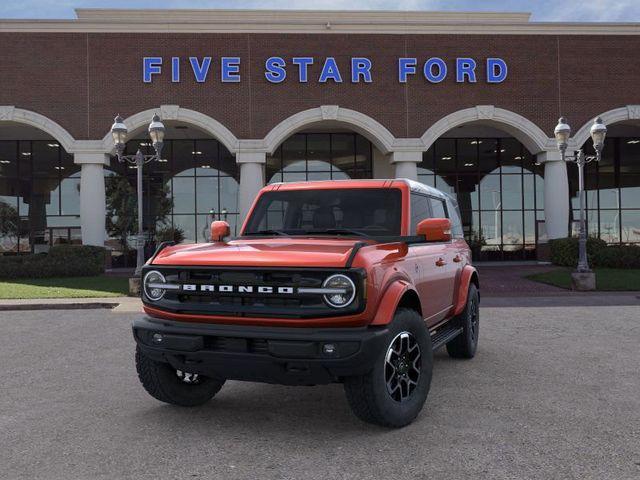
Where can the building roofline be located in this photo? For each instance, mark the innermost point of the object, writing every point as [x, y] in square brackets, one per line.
[311, 21]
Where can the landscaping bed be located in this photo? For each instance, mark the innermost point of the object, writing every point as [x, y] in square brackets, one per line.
[607, 279]
[70, 287]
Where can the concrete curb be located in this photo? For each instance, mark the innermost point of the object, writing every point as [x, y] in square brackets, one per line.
[57, 306]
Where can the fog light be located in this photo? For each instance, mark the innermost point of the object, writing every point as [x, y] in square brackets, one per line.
[329, 348]
[157, 338]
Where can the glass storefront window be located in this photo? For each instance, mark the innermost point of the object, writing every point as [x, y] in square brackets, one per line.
[499, 188]
[39, 196]
[320, 156]
[612, 188]
[195, 183]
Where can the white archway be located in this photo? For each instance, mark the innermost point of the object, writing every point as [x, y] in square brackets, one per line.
[184, 115]
[9, 113]
[373, 130]
[527, 132]
[629, 112]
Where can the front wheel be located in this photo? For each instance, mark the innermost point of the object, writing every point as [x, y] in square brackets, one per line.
[394, 391]
[169, 385]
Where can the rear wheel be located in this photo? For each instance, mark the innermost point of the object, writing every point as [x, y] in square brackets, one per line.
[466, 344]
[394, 391]
[176, 387]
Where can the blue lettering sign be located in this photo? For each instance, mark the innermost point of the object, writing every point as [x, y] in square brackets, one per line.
[465, 67]
[200, 71]
[428, 70]
[151, 66]
[230, 69]
[360, 67]
[175, 69]
[303, 67]
[275, 69]
[496, 70]
[330, 71]
[406, 66]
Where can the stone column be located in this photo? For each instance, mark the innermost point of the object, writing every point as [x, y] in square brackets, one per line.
[406, 164]
[251, 179]
[92, 196]
[556, 194]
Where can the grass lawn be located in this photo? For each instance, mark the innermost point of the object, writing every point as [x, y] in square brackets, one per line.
[607, 279]
[73, 287]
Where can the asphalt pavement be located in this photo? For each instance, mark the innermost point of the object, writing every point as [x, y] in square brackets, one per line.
[554, 393]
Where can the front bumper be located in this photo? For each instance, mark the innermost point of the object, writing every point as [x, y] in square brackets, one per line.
[288, 356]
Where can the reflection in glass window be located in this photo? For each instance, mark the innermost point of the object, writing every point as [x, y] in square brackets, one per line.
[490, 177]
[39, 195]
[612, 188]
[320, 156]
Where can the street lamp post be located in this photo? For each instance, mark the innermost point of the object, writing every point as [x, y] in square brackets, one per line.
[562, 133]
[156, 133]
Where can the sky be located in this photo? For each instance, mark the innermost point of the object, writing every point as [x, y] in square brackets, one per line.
[542, 10]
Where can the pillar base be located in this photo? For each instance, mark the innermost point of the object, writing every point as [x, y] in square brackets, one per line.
[135, 286]
[583, 281]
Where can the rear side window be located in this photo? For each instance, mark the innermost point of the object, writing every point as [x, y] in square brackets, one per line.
[454, 215]
[438, 208]
[420, 210]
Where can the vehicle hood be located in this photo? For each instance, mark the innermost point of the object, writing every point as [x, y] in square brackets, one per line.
[263, 252]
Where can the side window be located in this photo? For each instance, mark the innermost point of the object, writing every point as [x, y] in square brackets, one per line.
[437, 206]
[419, 210]
[456, 222]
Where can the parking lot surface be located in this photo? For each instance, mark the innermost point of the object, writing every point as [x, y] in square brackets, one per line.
[554, 392]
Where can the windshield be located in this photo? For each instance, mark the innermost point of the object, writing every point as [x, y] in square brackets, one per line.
[354, 212]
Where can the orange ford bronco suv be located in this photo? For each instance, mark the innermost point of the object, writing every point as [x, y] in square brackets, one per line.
[354, 281]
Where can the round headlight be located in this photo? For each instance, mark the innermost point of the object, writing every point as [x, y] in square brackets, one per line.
[152, 288]
[344, 291]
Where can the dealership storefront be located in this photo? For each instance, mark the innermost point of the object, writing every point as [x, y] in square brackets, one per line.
[465, 103]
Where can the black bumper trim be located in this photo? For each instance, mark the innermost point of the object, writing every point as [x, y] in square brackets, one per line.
[283, 355]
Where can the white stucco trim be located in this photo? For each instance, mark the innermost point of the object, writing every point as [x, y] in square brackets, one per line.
[363, 124]
[628, 112]
[10, 113]
[177, 113]
[527, 132]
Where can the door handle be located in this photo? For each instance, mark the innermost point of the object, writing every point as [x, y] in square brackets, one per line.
[457, 259]
[440, 262]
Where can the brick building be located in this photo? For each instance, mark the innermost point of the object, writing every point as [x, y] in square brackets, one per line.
[466, 102]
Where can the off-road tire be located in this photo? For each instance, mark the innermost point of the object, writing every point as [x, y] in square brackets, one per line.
[466, 344]
[161, 381]
[368, 395]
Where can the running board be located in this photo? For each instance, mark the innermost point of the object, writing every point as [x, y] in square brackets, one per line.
[444, 336]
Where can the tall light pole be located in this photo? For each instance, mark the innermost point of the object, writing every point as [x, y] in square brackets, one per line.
[119, 133]
[562, 133]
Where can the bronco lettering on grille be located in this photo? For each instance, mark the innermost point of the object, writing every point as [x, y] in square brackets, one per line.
[191, 287]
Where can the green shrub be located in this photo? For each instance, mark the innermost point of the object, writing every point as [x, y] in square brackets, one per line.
[618, 256]
[61, 261]
[564, 251]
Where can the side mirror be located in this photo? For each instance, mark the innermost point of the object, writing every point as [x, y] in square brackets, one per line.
[435, 229]
[219, 230]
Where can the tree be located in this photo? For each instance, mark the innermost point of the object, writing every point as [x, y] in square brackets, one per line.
[122, 210]
[9, 221]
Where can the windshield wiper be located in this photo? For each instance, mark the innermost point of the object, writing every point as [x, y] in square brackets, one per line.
[268, 232]
[338, 231]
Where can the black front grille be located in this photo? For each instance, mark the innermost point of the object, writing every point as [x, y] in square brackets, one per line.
[253, 304]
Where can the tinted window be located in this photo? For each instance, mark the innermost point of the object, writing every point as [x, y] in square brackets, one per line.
[437, 207]
[373, 211]
[454, 215]
[419, 210]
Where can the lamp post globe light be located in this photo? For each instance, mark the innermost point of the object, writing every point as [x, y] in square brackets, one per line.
[583, 278]
[156, 133]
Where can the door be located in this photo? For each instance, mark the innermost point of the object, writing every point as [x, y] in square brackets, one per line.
[433, 267]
